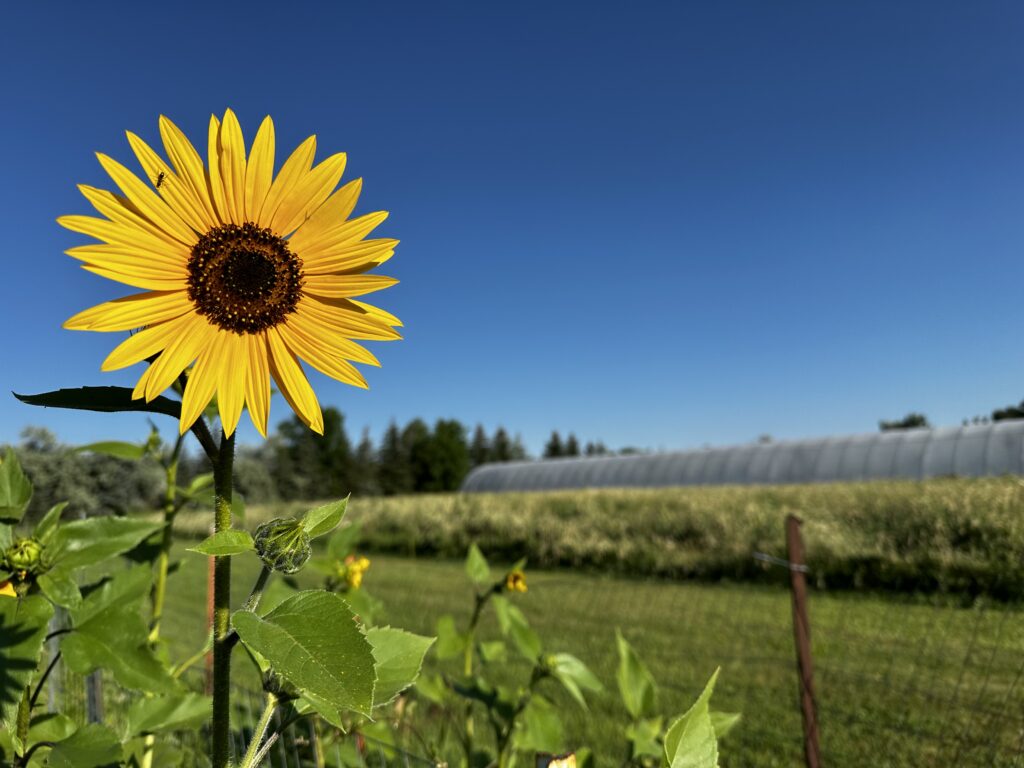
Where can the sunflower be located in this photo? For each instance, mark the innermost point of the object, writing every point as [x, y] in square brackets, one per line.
[245, 274]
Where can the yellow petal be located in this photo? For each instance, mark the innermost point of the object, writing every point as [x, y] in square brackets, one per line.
[148, 202]
[122, 211]
[131, 312]
[140, 386]
[319, 355]
[232, 166]
[215, 177]
[173, 189]
[259, 172]
[231, 382]
[341, 346]
[178, 356]
[308, 195]
[377, 312]
[147, 343]
[345, 286]
[329, 216]
[348, 257]
[126, 236]
[202, 381]
[124, 259]
[137, 280]
[346, 321]
[291, 173]
[190, 169]
[257, 382]
[292, 381]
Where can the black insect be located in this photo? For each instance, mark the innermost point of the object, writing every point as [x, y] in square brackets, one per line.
[160, 179]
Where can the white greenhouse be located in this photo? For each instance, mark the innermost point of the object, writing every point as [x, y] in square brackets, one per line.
[969, 451]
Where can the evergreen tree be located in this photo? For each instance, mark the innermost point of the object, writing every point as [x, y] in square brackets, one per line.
[501, 446]
[393, 471]
[517, 452]
[572, 446]
[596, 449]
[309, 465]
[480, 448]
[365, 468]
[448, 456]
[554, 448]
[416, 443]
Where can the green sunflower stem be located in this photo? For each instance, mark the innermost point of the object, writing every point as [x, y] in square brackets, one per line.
[222, 607]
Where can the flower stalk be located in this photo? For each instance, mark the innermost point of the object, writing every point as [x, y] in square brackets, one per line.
[222, 478]
[254, 754]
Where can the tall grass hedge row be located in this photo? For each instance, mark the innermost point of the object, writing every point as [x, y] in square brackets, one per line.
[963, 536]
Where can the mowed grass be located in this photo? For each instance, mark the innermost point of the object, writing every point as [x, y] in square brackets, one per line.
[900, 683]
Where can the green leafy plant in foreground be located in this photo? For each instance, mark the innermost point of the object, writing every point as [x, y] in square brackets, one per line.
[316, 658]
[502, 715]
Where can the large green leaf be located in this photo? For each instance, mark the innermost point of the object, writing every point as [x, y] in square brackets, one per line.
[690, 741]
[127, 588]
[47, 527]
[324, 519]
[540, 727]
[109, 632]
[91, 746]
[514, 625]
[105, 399]
[22, 629]
[645, 737]
[450, 642]
[85, 542]
[15, 489]
[61, 587]
[477, 569]
[313, 641]
[230, 542]
[115, 448]
[574, 675]
[167, 713]
[398, 655]
[636, 684]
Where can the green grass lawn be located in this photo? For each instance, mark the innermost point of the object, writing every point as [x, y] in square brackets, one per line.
[899, 683]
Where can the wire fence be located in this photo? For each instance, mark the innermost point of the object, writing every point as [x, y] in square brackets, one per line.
[900, 682]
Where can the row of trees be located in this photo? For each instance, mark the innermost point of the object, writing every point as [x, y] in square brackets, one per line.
[915, 420]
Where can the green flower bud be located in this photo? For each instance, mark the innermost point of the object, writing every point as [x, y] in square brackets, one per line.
[282, 545]
[24, 555]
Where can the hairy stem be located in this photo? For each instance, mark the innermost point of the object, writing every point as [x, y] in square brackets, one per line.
[253, 752]
[222, 607]
[253, 602]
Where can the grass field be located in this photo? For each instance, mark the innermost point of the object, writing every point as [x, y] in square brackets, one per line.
[900, 683]
[963, 536]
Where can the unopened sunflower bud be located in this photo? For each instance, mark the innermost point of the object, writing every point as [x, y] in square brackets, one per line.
[24, 555]
[282, 545]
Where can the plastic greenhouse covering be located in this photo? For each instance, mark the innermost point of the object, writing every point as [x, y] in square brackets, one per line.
[969, 451]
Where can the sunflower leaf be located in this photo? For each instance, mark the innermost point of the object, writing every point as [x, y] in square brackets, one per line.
[105, 399]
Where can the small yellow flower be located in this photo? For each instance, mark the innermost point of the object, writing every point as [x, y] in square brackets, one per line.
[515, 581]
[7, 589]
[355, 567]
[244, 273]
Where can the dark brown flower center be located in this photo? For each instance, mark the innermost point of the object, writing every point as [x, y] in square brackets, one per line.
[244, 278]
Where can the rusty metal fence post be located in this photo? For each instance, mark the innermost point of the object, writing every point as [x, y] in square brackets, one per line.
[802, 636]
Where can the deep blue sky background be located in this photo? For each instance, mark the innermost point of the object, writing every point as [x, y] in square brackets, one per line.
[656, 224]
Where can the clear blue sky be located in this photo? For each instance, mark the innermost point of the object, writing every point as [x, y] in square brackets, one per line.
[657, 224]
